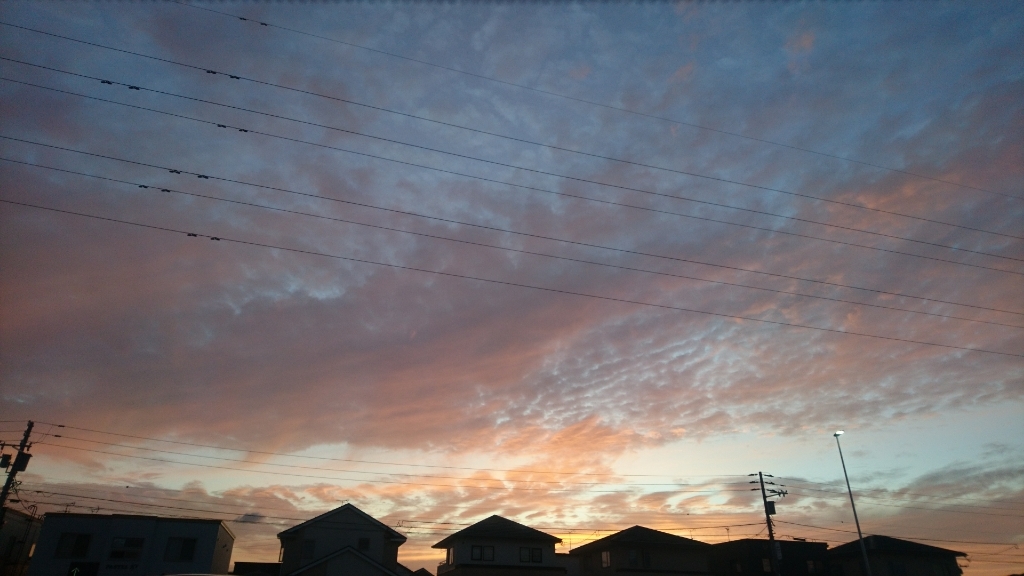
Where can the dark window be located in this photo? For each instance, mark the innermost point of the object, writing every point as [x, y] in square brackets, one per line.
[810, 566]
[530, 555]
[634, 561]
[485, 553]
[126, 548]
[739, 568]
[308, 549]
[364, 544]
[73, 545]
[449, 557]
[766, 565]
[606, 559]
[180, 550]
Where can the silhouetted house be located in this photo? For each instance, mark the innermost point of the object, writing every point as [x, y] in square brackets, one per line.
[18, 536]
[130, 545]
[345, 541]
[497, 545]
[257, 569]
[894, 557]
[751, 557]
[643, 551]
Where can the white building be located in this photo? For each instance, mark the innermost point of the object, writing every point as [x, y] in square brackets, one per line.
[128, 545]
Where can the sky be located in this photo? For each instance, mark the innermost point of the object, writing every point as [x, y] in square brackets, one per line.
[582, 265]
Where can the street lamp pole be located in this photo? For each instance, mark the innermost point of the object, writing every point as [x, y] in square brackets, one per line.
[863, 548]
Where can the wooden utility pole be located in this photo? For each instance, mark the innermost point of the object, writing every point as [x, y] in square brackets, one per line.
[19, 464]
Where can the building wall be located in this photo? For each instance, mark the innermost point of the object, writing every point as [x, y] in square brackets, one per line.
[750, 557]
[17, 537]
[637, 558]
[890, 564]
[335, 532]
[506, 553]
[105, 537]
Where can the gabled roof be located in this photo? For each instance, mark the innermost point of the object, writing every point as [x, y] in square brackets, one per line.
[345, 550]
[498, 528]
[889, 544]
[641, 535]
[393, 534]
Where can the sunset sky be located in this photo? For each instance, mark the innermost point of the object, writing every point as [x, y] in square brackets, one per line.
[581, 265]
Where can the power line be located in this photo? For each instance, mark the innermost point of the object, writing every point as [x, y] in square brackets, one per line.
[533, 188]
[607, 106]
[504, 248]
[399, 525]
[509, 231]
[521, 285]
[378, 473]
[907, 537]
[477, 159]
[943, 510]
[211, 446]
[910, 493]
[365, 480]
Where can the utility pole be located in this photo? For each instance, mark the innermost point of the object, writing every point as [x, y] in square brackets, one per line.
[775, 552]
[20, 462]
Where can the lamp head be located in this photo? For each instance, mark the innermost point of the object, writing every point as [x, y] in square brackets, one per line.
[838, 433]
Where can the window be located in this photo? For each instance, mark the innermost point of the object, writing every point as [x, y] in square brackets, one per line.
[73, 545]
[126, 548]
[810, 566]
[180, 550]
[364, 544]
[606, 559]
[639, 558]
[766, 565]
[308, 549]
[449, 557]
[530, 555]
[485, 553]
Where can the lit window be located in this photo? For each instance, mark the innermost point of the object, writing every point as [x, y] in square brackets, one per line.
[180, 550]
[606, 559]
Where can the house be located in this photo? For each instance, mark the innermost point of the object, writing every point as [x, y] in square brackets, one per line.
[345, 541]
[894, 557]
[130, 545]
[498, 545]
[752, 557]
[18, 536]
[643, 551]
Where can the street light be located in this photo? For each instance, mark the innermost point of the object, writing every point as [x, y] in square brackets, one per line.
[863, 549]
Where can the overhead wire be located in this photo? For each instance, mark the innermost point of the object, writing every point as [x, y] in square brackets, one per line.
[533, 188]
[372, 472]
[510, 231]
[137, 87]
[406, 464]
[918, 494]
[162, 189]
[521, 285]
[602, 105]
[907, 537]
